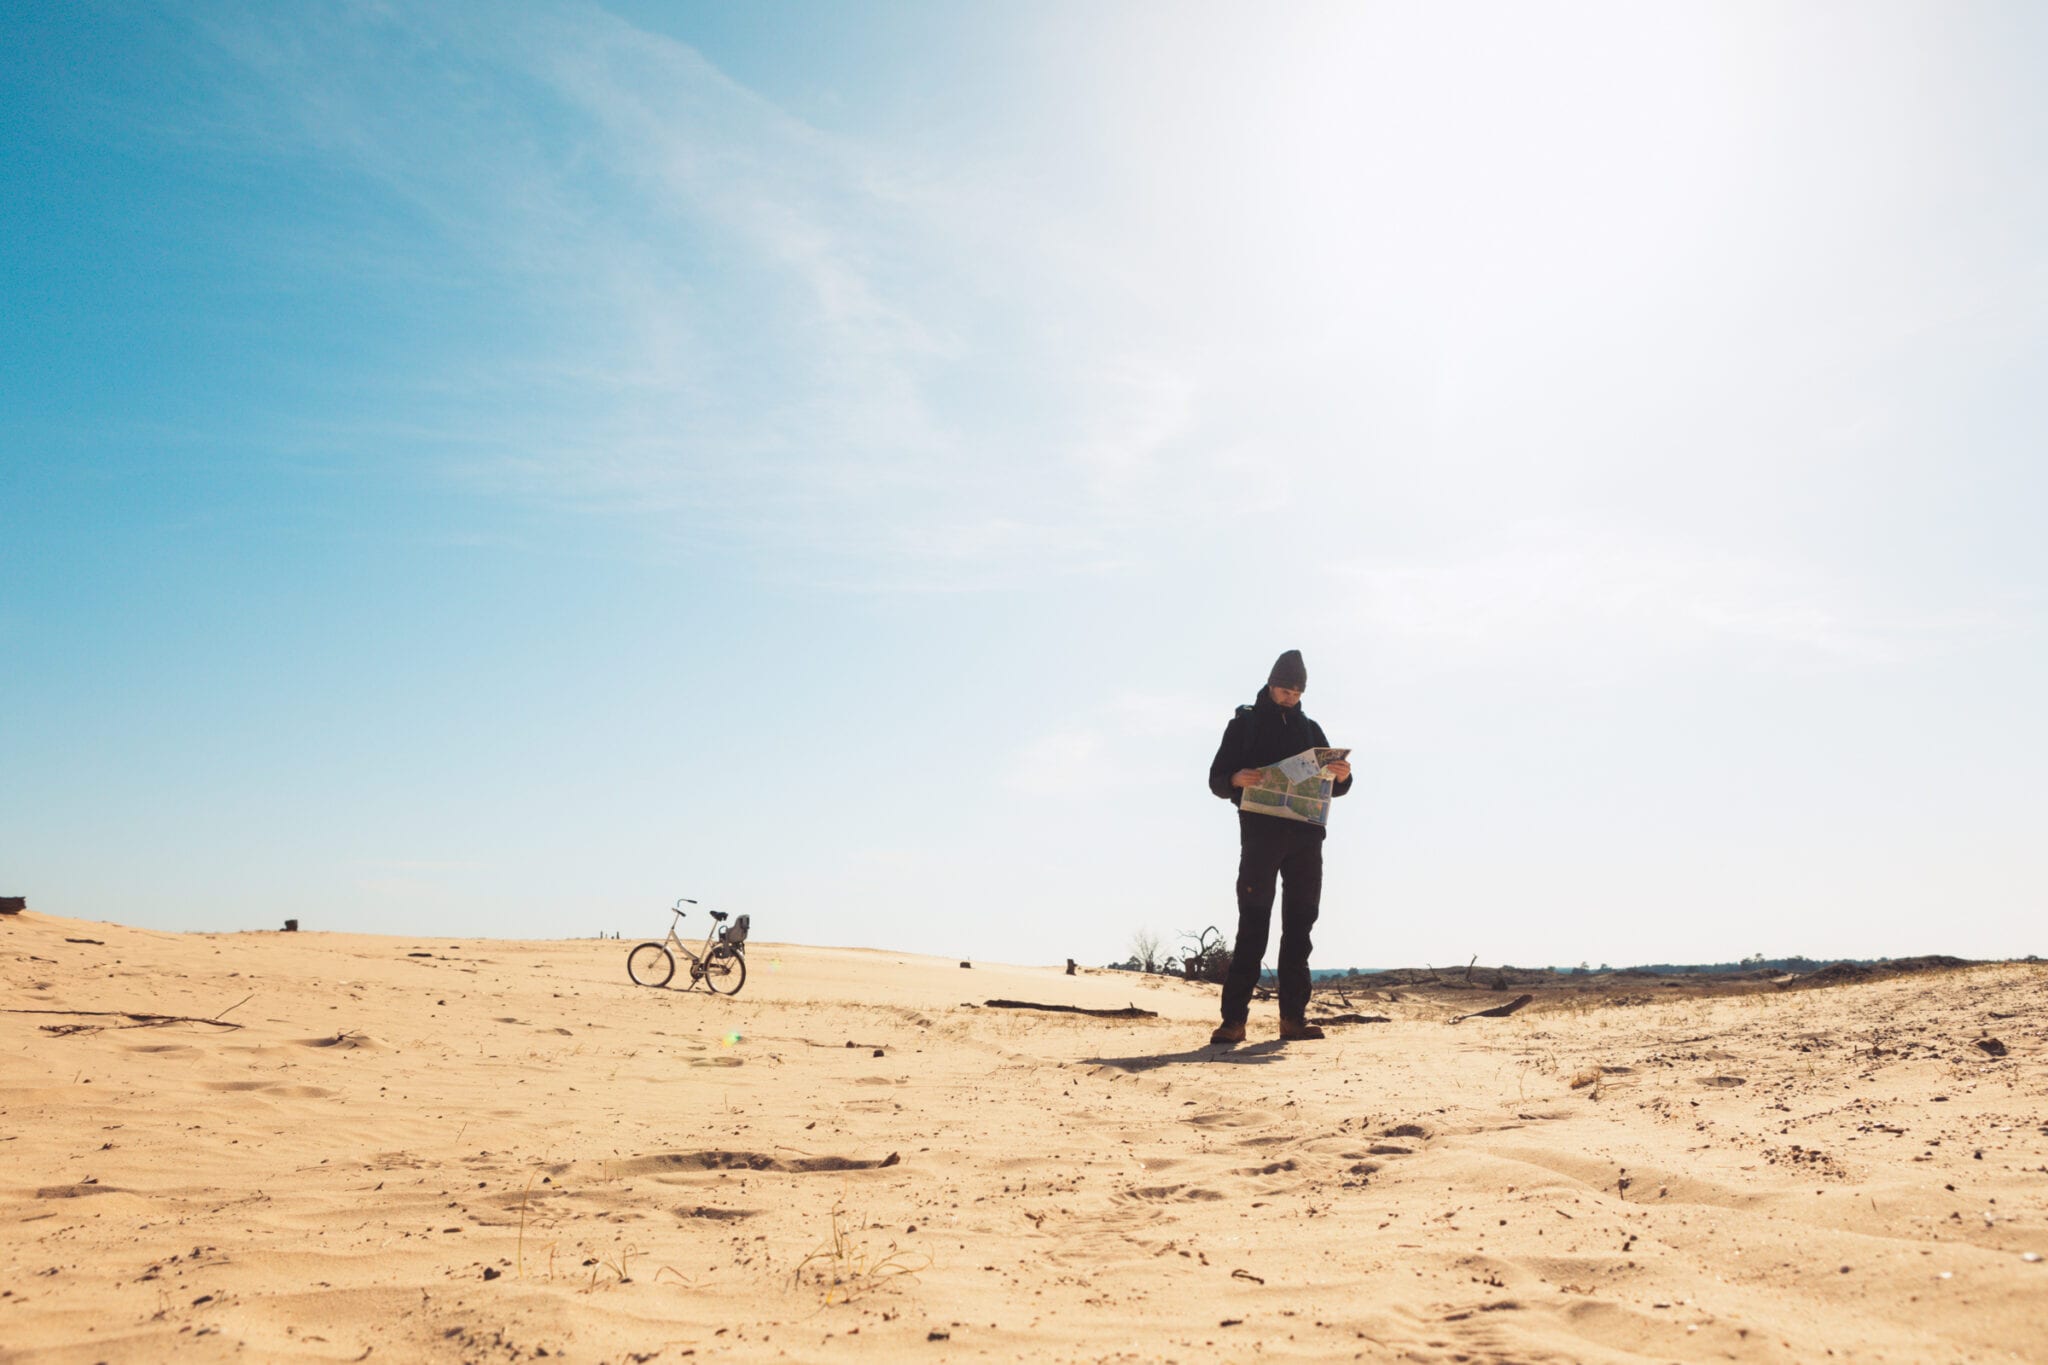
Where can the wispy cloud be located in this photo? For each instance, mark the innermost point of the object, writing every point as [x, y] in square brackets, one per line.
[1050, 764]
[1144, 737]
[754, 331]
[1602, 594]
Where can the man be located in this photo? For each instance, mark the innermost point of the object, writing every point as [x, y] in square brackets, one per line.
[1270, 729]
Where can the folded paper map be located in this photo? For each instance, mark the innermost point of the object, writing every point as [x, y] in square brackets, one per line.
[1296, 788]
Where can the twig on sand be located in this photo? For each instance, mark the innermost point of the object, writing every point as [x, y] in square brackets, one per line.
[1498, 1011]
[237, 1005]
[519, 1252]
[1127, 1012]
[1351, 1019]
[141, 1020]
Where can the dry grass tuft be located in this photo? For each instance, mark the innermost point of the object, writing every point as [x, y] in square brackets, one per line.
[843, 1267]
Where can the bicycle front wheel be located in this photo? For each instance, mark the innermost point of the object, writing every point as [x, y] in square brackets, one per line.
[725, 971]
[650, 965]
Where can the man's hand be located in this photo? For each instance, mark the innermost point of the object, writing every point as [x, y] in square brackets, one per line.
[1341, 770]
[1245, 777]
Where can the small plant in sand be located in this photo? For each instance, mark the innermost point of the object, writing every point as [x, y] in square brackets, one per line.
[617, 1266]
[519, 1254]
[1542, 1063]
[843, 1267]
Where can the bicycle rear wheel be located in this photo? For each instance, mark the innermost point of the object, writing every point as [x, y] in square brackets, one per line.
[725, 971]
[650, 965]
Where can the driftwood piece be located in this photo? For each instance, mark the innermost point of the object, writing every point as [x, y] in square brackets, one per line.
[1351, 1019]
[1498, 1011]
[141, 1020]
[1127, 1012]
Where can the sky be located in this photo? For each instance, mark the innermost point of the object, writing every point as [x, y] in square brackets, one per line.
[471, 469]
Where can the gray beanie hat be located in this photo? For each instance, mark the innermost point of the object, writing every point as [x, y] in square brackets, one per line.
[1289, 672]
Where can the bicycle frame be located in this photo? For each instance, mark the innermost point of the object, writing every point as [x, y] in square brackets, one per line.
[703, 953]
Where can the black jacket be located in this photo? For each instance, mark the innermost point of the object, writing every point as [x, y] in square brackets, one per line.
[1260, 734]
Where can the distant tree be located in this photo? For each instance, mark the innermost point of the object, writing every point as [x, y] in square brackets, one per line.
[1206, 956]
[1145, 948]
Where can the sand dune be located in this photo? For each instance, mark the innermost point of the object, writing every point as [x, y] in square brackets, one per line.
[498, 1151]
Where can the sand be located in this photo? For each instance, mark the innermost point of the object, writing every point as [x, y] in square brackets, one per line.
[439, 1149]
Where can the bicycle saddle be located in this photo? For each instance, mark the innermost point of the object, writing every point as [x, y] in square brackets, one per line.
[716, 914]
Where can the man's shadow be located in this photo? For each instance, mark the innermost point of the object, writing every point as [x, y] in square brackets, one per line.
[1214, 1054]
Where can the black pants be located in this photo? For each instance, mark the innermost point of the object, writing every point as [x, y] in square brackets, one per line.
[1270, 847]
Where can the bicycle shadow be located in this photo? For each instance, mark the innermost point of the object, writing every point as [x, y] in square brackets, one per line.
[1212, 1054]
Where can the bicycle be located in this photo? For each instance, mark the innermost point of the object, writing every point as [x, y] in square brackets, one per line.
[721, 963]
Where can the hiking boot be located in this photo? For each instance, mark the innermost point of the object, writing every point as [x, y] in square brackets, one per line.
[1298, 1030]
[1227, 1034]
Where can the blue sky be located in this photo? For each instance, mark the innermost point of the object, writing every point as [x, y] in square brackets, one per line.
[481, 469]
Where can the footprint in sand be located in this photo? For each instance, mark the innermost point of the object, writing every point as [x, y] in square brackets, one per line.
[76, 1191]
[1267, 1140]
[344, 1040]
[1166, 1194]
[678, 1162]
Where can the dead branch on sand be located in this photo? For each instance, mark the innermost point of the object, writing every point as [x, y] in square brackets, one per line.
[1128, 1012]
[1498, 1011]
[141, 1020]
